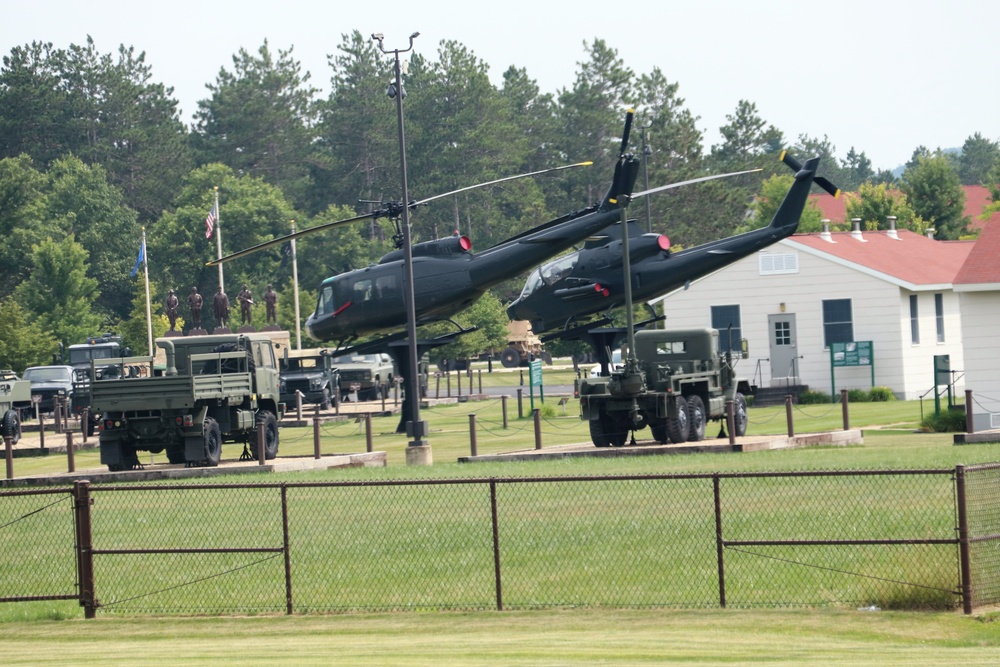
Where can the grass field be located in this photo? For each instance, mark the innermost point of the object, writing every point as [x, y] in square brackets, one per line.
[562, 637]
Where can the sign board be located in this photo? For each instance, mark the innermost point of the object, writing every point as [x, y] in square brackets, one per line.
[535, 380]
[855, 353]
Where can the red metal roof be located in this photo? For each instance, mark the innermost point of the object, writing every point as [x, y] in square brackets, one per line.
[982, 266]
[913, 258]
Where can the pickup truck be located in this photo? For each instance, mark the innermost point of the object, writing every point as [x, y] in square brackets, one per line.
[49, 382]
[372, 374]
[215, 389]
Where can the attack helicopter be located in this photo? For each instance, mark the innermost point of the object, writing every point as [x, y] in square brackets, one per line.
[448, 276]
[591, 280]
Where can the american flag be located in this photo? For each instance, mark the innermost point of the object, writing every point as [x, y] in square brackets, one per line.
[213, 215]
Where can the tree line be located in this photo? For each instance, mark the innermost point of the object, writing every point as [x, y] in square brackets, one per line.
[93, 151]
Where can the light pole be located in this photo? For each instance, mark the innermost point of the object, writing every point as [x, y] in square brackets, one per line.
[418, 452]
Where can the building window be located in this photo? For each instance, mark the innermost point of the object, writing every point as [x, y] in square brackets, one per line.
[939, 316]
[782, 333]
[838, 324]
[769, 264]
[724, 317]
[914, 321]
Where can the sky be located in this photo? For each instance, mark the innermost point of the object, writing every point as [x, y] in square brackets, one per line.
[881, 76]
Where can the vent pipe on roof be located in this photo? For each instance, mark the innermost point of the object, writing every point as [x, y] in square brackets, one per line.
[856, 232]
[930, 233]
[892, 228]
[825, 234]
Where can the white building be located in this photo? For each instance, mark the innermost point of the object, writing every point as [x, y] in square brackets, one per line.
[790, 301]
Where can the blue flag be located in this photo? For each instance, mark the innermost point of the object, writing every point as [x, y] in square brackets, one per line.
[140, 259]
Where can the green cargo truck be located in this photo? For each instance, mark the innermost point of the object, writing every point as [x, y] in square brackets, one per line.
[214, 389]
[15, 396]
[679, 382]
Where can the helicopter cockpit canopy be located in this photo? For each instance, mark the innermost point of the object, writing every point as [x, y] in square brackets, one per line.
[551, 273]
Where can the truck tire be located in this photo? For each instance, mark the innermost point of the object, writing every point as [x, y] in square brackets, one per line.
[270, 435]
[677, 427]
[696, 419]
[607, 431]
[212, 437]
[324, 401]
[740, 418]
[510, 358]
[11, 426]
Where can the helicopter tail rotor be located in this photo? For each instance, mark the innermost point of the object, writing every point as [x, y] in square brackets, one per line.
[821, 181]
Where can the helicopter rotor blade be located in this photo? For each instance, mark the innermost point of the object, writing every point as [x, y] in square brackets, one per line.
[289, 237]
[693, 180]
[499, 180]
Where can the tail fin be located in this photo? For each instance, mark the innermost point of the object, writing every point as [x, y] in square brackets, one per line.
[794, 203]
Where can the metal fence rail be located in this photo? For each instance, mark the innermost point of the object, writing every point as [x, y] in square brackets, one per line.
[891, 539]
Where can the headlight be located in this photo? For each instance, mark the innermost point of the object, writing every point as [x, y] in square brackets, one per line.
[316, 383]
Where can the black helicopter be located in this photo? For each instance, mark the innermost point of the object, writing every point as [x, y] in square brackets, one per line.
[448, 276]
[591, 280]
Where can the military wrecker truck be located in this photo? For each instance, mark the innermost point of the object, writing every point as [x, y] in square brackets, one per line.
[215, 389]
[677, 382]
[15, 395]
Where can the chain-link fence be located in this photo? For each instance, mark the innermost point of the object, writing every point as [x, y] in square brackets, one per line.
[887, 539]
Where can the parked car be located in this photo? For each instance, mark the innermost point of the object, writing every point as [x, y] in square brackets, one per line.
[48, 382]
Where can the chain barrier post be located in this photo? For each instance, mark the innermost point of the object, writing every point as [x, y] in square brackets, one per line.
[520, 404]
[844, 409]
[260, 444]
[316, 435]
[538, 428]
[503, 407]
[368, 432]
[479, 376]
[969, 426]
[298, 405]
[731, 421]
[788, 415]
[41, 432]
[472, 435]
[85, 422]
[70, 455]
[8, 446]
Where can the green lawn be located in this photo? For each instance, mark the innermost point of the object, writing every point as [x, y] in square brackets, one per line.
[560, 637]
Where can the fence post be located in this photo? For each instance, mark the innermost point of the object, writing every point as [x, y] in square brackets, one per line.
[8, 445]
[538, 428]
[788, 415]
[70, 454]
[963, 539]
[843, 407]
[368, 431]
[287, 548]
[316, 435]
[84, 547]
[260, 444]
[731, 421]
[472, 435]
[496, 544]
[969, 426]
[718, 540]
[503, 408]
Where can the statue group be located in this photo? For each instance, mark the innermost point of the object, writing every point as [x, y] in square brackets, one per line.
[220, 308]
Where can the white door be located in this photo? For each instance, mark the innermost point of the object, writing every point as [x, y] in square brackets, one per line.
[784, 356]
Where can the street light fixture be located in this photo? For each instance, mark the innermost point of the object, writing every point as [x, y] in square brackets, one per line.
[418, 451]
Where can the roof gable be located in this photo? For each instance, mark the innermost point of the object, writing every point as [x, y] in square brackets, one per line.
[909, 259]
[982, 266]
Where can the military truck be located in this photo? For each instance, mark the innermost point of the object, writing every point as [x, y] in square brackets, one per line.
[678, 382]
[15, 395]
[370, 374]
[91, 353]
[312, 373]
[215, 389]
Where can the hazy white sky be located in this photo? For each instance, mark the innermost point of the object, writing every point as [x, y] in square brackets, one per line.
[882, 76]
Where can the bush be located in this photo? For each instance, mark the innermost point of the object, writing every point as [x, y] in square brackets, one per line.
[881, 395]
[951, 421]
[857, 396]
[546, 410]
[810, 397]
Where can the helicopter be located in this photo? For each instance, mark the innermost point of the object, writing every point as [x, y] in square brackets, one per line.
[448, 277]
[591, 280]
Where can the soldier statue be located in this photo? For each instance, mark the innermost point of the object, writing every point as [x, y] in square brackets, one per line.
[171, 304]
[271, 302]
[220, 306]
[246, 301]
[195, 302]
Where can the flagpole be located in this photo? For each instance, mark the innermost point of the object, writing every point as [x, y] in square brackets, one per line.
[218, 236]
[149, 314]
[295, 287]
